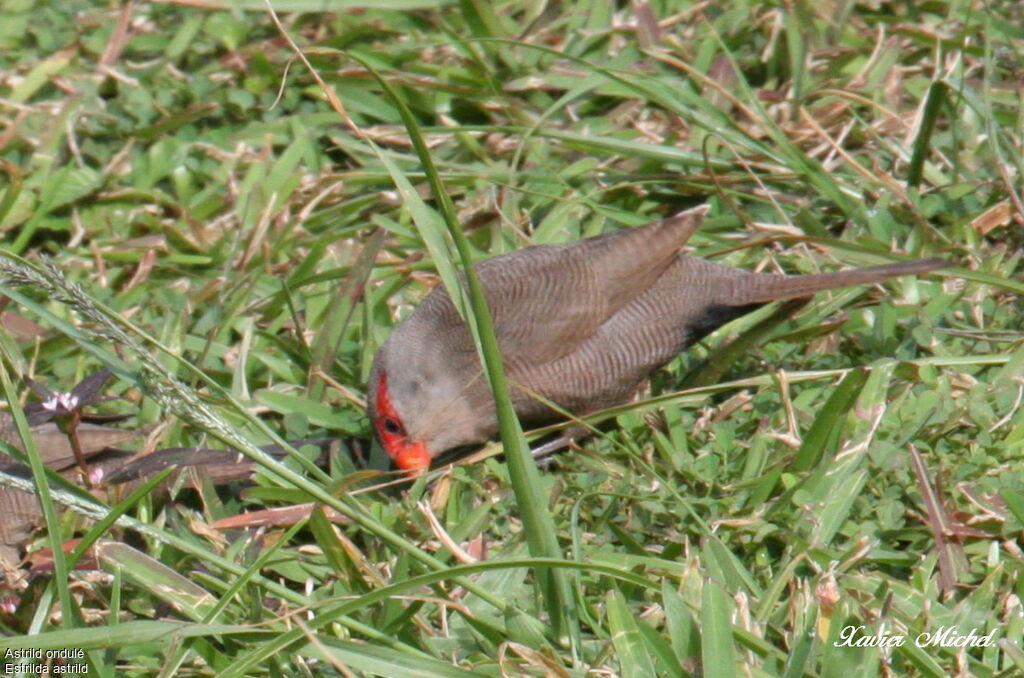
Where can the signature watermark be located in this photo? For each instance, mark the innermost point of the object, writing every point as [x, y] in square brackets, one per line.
[944, 636]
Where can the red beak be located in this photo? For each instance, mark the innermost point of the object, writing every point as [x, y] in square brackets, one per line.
[410, 456]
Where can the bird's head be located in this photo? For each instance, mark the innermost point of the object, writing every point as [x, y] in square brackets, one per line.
[406, 453]
[426, 394]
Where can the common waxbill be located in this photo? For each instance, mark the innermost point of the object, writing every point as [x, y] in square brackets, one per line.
[20, 512]
[579, 325]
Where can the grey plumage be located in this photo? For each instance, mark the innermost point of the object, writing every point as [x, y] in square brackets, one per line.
[20, 512]
[580, 324]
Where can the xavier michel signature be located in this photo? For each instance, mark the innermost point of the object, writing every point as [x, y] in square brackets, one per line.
[944, 636]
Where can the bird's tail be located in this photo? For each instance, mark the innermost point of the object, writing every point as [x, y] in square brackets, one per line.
[771, 287]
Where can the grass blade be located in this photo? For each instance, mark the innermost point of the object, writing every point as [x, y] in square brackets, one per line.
[525, 477]
[718, 658]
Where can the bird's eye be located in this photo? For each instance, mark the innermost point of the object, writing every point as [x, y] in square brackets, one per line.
[392, 426]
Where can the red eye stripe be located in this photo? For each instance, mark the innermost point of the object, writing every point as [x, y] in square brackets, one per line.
[411, 456]
[387, 422]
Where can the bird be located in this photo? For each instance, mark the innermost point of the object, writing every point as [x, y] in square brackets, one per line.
[20, 512]
[107, 467]
[579, 326]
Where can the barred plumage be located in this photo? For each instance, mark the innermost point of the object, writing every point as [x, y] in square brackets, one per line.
[580, 325]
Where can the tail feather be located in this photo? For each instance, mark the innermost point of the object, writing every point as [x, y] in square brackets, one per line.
[771, 287]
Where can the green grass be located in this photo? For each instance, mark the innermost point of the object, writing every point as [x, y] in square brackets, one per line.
[240, 251]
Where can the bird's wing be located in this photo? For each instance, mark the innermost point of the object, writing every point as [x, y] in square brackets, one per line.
[692, 298]
[547, 301]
